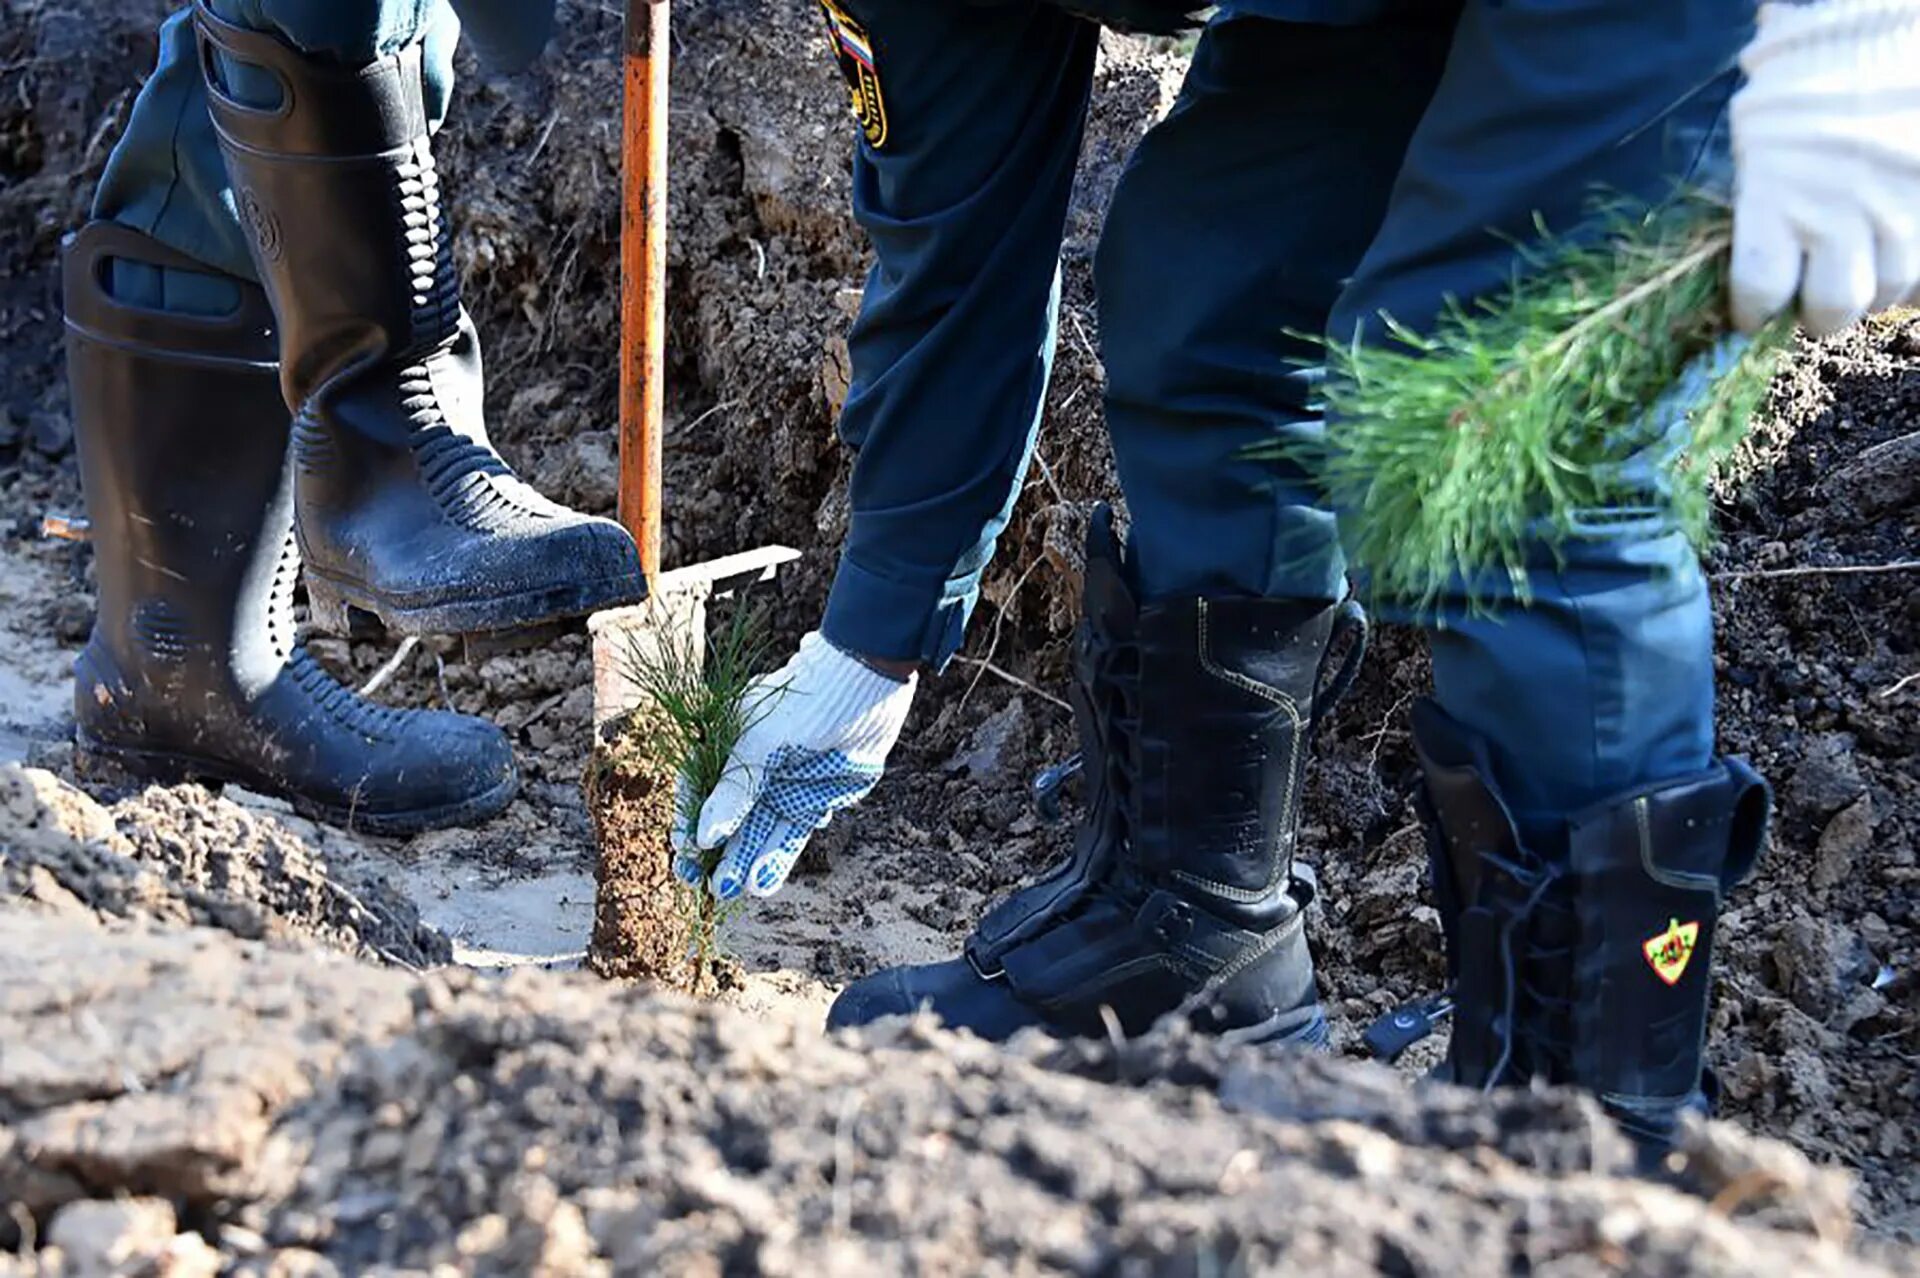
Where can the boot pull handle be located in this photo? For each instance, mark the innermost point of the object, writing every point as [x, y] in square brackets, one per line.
[327, 109]
[1350, 624]
[245, 333]
[215, 38]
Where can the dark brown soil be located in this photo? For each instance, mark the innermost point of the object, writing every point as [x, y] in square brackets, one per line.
[1817, 1024]
[647, 925]
[183, 857]
[292, 1115]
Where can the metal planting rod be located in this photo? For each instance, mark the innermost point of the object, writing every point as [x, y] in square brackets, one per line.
[643, 274]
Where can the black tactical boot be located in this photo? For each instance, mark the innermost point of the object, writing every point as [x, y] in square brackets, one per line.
[1182, 896]
[1588, 965]
[192, 671]
[404, 510]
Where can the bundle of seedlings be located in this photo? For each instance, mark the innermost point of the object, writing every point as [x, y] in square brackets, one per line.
[1605, 375]
[652, 770]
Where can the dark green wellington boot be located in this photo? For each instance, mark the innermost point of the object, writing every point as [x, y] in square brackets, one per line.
[1591, 967]
[1182, 897]
[403, 508]
[192, 671]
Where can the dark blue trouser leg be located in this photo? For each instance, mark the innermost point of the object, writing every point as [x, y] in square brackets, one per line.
[1605, 680]
[1411, 161]
[1232, 233]
[965, 200]
[166, 177]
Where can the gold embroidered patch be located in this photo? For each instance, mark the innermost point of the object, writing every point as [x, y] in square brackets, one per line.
[1671, 951]
[853, 50]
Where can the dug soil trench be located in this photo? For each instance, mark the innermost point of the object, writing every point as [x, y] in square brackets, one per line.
[381, 1116]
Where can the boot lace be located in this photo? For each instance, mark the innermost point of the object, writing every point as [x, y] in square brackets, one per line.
[1532, 1005]
[1536, 955]
[1115, 694]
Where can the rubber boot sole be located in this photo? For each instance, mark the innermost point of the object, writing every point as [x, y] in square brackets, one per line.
[1304, 1027]
[331, 603]
[172, 767]
[896, 992]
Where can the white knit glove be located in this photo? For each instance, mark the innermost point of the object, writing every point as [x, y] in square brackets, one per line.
[821, 731]
[1826, 144]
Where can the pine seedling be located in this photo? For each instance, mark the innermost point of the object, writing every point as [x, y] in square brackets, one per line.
[699, 695]
[1602, 375]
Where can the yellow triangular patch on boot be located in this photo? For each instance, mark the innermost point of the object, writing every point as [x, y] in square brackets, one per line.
[1671, 951]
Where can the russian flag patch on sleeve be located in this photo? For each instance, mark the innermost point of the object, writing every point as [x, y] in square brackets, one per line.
[853, 50]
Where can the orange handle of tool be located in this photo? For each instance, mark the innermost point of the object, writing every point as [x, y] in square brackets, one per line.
[643, 275]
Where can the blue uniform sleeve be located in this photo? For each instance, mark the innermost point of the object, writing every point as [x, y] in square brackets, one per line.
[972, 118]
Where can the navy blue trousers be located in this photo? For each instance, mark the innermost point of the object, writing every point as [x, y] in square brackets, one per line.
[1310, 178]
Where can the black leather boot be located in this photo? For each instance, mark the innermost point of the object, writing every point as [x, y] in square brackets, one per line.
[1588, 966]
[192, 671]
[1182, 896]
[404, 509]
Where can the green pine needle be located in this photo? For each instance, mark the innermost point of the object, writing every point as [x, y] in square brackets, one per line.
[698, 692]
[702, 702]
[1450, 453]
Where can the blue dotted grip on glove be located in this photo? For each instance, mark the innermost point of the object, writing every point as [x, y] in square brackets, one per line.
[800, 791]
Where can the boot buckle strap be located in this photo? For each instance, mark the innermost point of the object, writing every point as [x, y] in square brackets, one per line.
[985, 966]
[1029, 911]
[1167, 919]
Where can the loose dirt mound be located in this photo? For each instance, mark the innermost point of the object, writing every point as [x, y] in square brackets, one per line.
[182, 856]
[329, 1117]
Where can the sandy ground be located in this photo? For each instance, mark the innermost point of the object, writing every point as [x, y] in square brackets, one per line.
[36, 685]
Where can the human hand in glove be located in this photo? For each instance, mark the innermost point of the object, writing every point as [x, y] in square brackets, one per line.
[1826, 143]
[819, 735]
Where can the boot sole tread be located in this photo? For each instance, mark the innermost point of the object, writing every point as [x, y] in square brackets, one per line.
[331, 597]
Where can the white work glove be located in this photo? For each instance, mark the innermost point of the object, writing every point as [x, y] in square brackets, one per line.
[821, 730]
[1826, 145]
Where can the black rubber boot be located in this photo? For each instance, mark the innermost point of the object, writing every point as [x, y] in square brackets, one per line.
[1588, 966]
[404, 509]
[192, 672]
[1182, 896]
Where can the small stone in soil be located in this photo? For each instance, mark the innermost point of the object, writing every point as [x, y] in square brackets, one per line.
[50, 433]
[1829, 779]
